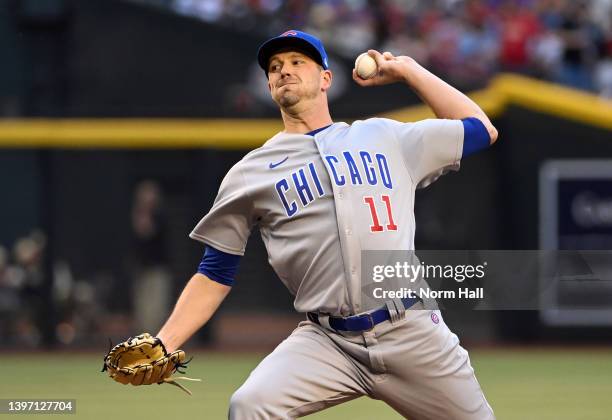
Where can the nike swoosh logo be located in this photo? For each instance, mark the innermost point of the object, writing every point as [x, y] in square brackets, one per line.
[274, 165]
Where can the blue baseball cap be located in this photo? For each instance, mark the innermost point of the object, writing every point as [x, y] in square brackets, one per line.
[309, 44]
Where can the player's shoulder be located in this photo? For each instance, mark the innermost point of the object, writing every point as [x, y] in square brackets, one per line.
[263, 149]
[250, 155]
[280, 143]
[375, 126]
[381, 123]
[245, 162]
[393, 122]
[374, 121]
[413, 127]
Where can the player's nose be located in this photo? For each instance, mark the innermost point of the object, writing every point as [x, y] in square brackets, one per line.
[285, 73]
[285, 78]
[286, 70]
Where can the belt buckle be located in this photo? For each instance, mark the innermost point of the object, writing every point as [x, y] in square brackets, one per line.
[369, 316]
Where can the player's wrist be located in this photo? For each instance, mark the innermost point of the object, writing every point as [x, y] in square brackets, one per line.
[165, 342]
[412, 72]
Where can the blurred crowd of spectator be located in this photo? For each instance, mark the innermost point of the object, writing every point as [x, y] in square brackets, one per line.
[36, 312]
[40, 301]
[21, 290]
[567, 41]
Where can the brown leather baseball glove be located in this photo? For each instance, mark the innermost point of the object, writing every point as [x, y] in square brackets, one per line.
[143, 360]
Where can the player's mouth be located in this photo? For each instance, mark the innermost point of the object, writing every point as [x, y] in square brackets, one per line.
[285, 83]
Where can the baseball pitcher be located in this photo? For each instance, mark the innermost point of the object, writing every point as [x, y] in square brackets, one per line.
[321, 192]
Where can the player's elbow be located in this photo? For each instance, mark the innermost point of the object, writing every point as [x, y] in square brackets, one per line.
[492, 133]
[487, 126]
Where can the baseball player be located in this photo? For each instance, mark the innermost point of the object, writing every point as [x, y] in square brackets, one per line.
[321, 192]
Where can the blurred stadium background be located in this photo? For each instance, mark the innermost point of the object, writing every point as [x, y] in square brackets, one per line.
[118, 120]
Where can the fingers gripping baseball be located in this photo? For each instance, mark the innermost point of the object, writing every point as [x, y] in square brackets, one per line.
[390, 69]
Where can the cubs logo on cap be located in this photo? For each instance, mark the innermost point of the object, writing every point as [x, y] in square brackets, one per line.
[301, 41]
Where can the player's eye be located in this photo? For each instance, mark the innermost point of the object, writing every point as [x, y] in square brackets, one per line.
[296, 62]
[274, 68]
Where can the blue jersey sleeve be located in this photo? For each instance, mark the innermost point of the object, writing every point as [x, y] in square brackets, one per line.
[219, 266]
[475, 136]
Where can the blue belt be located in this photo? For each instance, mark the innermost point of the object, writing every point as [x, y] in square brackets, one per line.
[361, 322]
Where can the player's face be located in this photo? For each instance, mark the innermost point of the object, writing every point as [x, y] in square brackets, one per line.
[294, 77]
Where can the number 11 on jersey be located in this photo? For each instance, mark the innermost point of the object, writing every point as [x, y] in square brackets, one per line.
[376, 226]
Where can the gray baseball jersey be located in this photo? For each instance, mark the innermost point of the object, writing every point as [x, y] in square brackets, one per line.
[319, 203]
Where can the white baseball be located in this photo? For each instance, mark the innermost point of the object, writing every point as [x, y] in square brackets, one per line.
[365, 66]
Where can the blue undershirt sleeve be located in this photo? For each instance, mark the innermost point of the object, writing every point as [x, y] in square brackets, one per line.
[475, 137]
[219, 266]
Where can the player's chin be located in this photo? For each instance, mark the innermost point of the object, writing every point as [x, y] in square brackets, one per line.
[287, 99]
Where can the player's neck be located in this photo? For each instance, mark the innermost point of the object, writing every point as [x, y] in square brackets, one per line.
[307, 120]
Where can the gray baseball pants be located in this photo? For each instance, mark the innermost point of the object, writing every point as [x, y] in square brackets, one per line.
[415, 365]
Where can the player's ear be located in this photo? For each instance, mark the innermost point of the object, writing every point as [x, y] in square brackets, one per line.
[326, 80]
